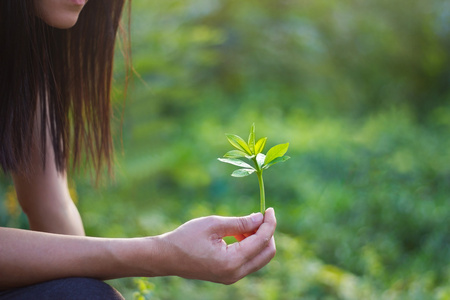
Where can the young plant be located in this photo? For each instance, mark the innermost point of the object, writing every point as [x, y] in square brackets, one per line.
[252, 150]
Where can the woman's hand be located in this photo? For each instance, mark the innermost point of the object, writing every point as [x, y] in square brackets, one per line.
[197, 250]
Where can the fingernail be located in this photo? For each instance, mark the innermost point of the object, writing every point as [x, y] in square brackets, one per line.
[257, 217]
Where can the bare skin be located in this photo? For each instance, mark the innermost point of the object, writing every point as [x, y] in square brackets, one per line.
[194, 250]
[45, 199]
[56, 246]
[59, 13]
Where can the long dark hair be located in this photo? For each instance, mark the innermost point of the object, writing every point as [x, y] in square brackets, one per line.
[59, 78]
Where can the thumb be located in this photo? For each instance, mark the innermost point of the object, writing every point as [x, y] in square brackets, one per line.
[231, 226]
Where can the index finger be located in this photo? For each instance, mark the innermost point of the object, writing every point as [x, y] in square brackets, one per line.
[254, 244]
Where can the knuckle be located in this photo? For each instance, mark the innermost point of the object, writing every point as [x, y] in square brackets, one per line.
[212, 220]
[242, 225]
[266, 241]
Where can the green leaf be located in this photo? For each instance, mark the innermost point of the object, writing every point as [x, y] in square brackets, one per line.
[259, 146]
[251, 139]
[235, 162]
[235, 154]
[260, 159]
[238, 143]
[276, 151]
[276, 160]
[242, 172]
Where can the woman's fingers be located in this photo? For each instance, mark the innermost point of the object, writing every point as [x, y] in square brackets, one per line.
[240, 237]
[256, 242]
[257, 250]
[237, 226]
[260, 260]
[196, 249]
[250, 247]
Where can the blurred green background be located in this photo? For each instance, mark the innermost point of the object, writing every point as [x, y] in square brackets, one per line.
[360, 89]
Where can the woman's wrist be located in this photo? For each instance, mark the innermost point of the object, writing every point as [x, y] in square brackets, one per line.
[136, 257]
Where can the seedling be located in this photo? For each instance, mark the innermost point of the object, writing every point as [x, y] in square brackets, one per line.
[252, 151]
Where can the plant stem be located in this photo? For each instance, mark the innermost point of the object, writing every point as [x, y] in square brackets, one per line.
[261, 192]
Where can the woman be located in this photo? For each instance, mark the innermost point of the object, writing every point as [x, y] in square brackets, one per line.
[55, 79]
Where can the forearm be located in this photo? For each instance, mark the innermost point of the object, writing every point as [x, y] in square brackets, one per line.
[28, 257]
[194, 250]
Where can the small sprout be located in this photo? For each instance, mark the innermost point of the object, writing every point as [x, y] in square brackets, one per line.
[252, 150]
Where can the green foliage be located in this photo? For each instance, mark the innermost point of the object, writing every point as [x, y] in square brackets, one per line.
[275, 155]
[252, 151]
[144, 289]
[359, 88]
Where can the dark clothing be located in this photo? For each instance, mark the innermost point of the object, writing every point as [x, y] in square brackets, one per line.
[65, 289]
